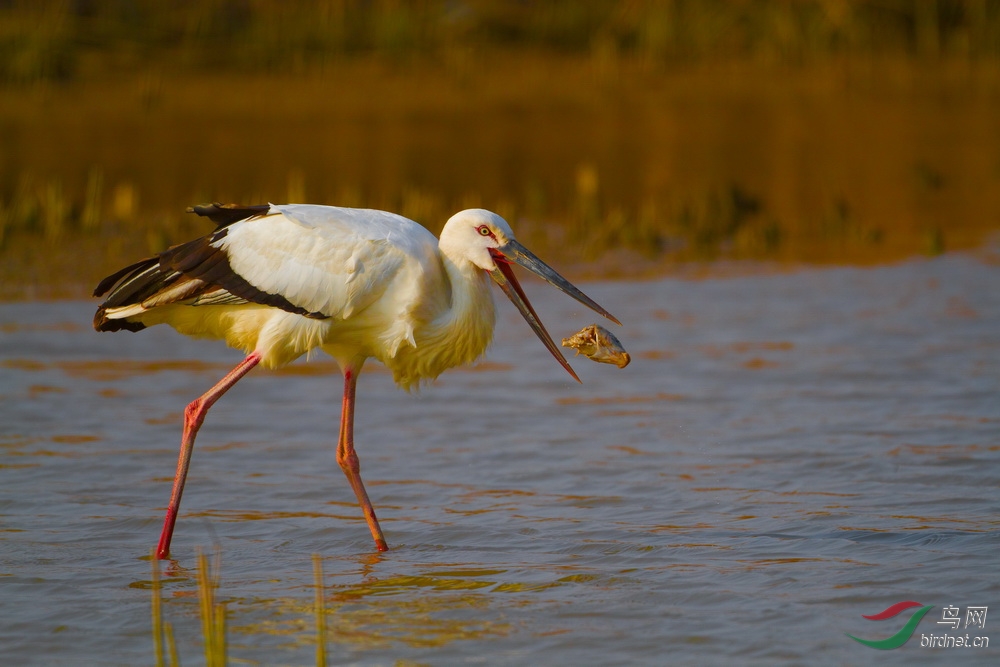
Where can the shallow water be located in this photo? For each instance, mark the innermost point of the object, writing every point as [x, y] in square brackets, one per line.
[785, 453]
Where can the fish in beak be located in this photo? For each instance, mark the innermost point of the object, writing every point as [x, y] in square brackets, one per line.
[513, 252]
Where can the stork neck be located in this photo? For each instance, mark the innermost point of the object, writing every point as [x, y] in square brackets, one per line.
[471, 298]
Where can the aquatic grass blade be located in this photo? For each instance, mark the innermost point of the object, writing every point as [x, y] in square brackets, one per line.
[157, 612]
[320, 612]
[168, 631]
[213, 615]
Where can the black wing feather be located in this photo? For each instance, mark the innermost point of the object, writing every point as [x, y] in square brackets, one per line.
[187, 271]
[226, 214]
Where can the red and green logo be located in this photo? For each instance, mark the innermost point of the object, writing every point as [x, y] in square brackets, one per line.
[904, 634]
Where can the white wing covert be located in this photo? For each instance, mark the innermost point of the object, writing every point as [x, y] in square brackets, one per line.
[327, 260]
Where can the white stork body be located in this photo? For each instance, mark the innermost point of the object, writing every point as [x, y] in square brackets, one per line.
[379, 281]
[279, 281]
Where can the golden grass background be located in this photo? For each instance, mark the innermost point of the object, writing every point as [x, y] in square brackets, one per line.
[619, 138]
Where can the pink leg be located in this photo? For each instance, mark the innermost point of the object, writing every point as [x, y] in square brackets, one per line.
[348, 458]
[194, 415]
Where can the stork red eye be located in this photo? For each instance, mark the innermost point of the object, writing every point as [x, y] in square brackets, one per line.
[484, 230]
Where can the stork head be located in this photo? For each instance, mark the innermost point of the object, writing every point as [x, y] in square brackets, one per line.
[472, 235]
[485, 240]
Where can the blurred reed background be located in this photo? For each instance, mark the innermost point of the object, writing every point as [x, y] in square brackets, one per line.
[628, 137]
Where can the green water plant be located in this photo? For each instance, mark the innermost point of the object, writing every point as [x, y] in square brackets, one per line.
[212, 614]
[163, 633]
[320, 612]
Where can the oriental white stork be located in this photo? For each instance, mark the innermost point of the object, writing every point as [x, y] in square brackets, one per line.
[278, 281]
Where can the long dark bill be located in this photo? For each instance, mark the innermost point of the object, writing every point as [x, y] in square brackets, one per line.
[504, 276]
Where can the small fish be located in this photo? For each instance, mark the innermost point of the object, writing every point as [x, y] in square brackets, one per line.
[597, 343]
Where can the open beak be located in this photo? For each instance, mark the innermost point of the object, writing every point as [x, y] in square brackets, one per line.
[503, 275]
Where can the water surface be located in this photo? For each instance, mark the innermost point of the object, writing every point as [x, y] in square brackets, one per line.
[785, 453]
